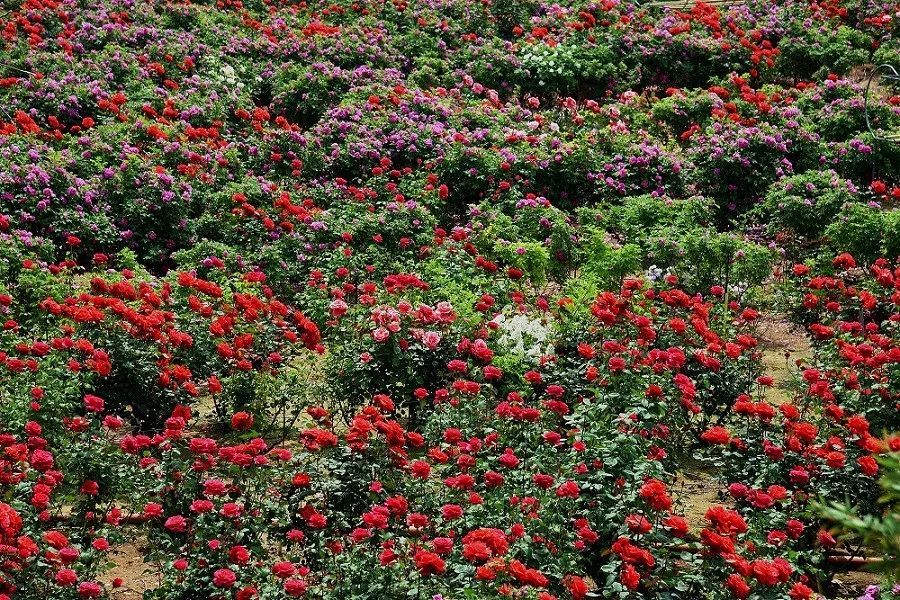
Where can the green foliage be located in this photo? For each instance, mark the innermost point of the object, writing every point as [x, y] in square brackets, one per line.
[805, 204]
[816, 51]
[679, 111]
[673, 235]
[537, 239]
[892, 233]
[859, 230]
[723, 259]
[880, 533]
[606, 266]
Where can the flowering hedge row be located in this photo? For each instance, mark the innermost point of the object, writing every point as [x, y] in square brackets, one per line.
[543, 473]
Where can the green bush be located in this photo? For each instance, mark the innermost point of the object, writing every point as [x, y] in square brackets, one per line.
[804, 204]
[859, 230]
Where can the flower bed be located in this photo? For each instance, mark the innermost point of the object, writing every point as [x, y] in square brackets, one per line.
[443, 300]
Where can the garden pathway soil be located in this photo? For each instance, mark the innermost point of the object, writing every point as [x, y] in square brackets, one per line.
[129, 566]
[782, 344]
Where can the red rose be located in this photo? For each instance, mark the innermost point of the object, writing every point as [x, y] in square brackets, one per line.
[10, 522]
[543, 481]
[630, 577]
[800, 270]
[737, 586]
[176, 524]
[89, 589]
[677, 525]
[716, 436]
[476, 552]
[93, 403]
[868, 465]
[295, 587]
[794, 528]
[429, 563]
[654, 493]
[241, 421]
[56, 539]
[569, 489]
[800, 592]
[238, 555]
[42, 460]
[451, 511]
[638, 523]
[224, 578]
[247, 593]
[66, 577]
[765, 572]
[844, 261]
[442, 545]
[576, 586]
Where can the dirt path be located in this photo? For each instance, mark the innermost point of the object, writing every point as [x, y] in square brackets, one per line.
[131, 569]
[694, 492]
[783, 344]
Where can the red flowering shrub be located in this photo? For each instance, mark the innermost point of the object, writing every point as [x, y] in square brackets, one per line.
[852, 317]
[58, 522]
[171, 340]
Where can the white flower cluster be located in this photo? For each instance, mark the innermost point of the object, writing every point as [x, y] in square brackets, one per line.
[225, 76]
[523, 335]
[542, 60]
[738, 289]
[228, 75]
[654, 273]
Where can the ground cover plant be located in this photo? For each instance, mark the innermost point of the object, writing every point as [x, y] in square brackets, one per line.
[449, 300]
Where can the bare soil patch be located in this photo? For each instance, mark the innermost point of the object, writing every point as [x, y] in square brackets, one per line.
[131, 569]
[783, 345]
[694, 492]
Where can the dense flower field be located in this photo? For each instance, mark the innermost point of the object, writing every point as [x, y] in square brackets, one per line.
[441, 299]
